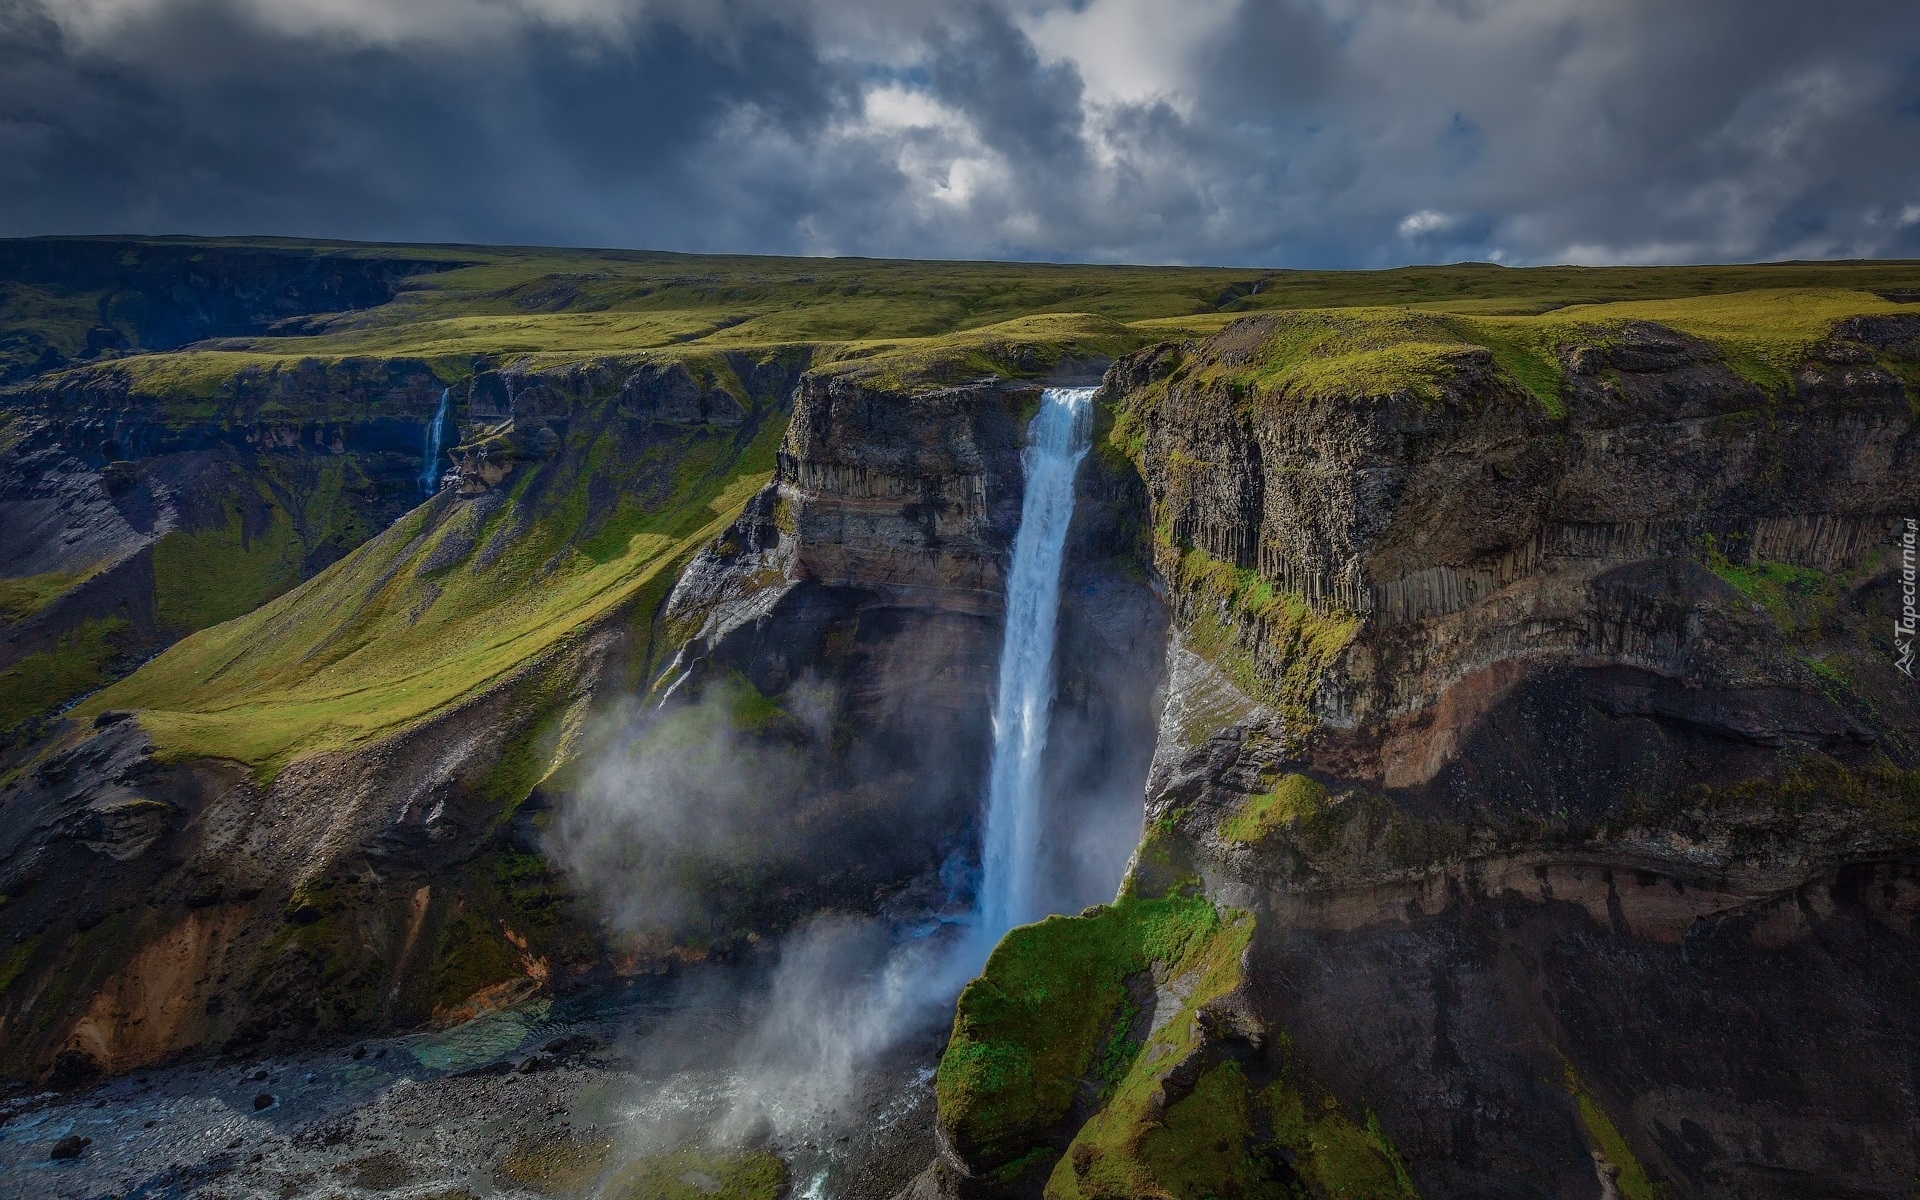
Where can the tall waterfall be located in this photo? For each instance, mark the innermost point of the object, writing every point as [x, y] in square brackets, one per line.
[430, 468]
[1056, 442]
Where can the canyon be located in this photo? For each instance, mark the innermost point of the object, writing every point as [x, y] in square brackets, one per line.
[1479, 759]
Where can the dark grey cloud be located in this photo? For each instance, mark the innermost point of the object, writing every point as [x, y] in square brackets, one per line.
[1287, 132]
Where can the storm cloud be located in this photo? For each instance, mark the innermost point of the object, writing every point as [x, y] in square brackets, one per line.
[1260, 132]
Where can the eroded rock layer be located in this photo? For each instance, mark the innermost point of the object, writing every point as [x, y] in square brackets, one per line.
[1554, 748]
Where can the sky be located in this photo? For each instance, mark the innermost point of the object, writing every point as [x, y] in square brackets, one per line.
[1304, 133]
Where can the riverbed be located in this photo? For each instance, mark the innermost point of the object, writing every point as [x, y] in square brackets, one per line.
[547, 1099]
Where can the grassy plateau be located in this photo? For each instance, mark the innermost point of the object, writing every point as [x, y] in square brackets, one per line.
[450, 600]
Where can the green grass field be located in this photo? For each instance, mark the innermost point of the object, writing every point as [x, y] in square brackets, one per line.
[924, 321]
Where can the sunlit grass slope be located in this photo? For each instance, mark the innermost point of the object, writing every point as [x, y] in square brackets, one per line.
[452, 598]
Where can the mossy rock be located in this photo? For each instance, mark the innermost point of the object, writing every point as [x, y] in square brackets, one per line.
[555, 1166]
[692, 1174]
[1028, 1034]
[1295, 798]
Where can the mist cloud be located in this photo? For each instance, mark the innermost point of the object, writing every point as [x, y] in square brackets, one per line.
[679, 808]
[1274, 132]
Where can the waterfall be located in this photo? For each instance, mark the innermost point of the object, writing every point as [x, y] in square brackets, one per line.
[1056, 442]
[430, 468]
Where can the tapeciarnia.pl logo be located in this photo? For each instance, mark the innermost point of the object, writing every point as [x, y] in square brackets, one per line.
[1903, 629]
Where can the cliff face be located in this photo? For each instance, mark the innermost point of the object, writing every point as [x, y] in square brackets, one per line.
[868, 578]
[327, 815]
[1530, 787]
[1560, 762]
[67, 300]
[1477, 540]
[128, 519]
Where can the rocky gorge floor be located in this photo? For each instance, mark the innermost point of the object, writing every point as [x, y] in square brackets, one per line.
[606, 1094]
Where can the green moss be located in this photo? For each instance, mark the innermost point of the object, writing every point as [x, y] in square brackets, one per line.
[375, 642]
[24, 596]
[1606, 1139]
[1333, 1153]
[1122, 441]
[78, 662]
[553, 1166]
[509, 909]
[211, 575]
[1022, 348]
[1224, 605]
[1831, 672]
[1794, 596]
[752, 710]
[692, 1174]
[1203, 1149]
[472, 954]
[1225, 1140]
[15, 964]
[528, 754]
[1160, 864]
[324, 956]
[541, 307]
[1357, 352]
[1884, 797]
[35, 319]
[1762, 334]
[1293, 798]
[1009, 1174]
[1028, 1030]
[1527, 353]
[1117, 1057]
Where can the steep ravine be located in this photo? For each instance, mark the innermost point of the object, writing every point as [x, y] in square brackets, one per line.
[1543, 781]
[321, 817]
[1530, 793]
[337, 814]
[128, 520]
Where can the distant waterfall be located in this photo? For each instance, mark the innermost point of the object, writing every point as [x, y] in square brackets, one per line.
[1056, 442]
[430, 468]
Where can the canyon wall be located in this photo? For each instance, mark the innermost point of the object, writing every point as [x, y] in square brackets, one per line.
[128, 519]
[1560, 765]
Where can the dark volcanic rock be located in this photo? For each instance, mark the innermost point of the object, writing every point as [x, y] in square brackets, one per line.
[871, 571]
[1585, 820]
[69, 1147]
[1561, 763]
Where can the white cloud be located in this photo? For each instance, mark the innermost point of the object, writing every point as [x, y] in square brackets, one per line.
[1276, 132]
[1424, 222]
[378, 22]
[1132, 51]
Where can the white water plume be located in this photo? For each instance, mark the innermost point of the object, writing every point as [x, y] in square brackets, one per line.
[1056, 442]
